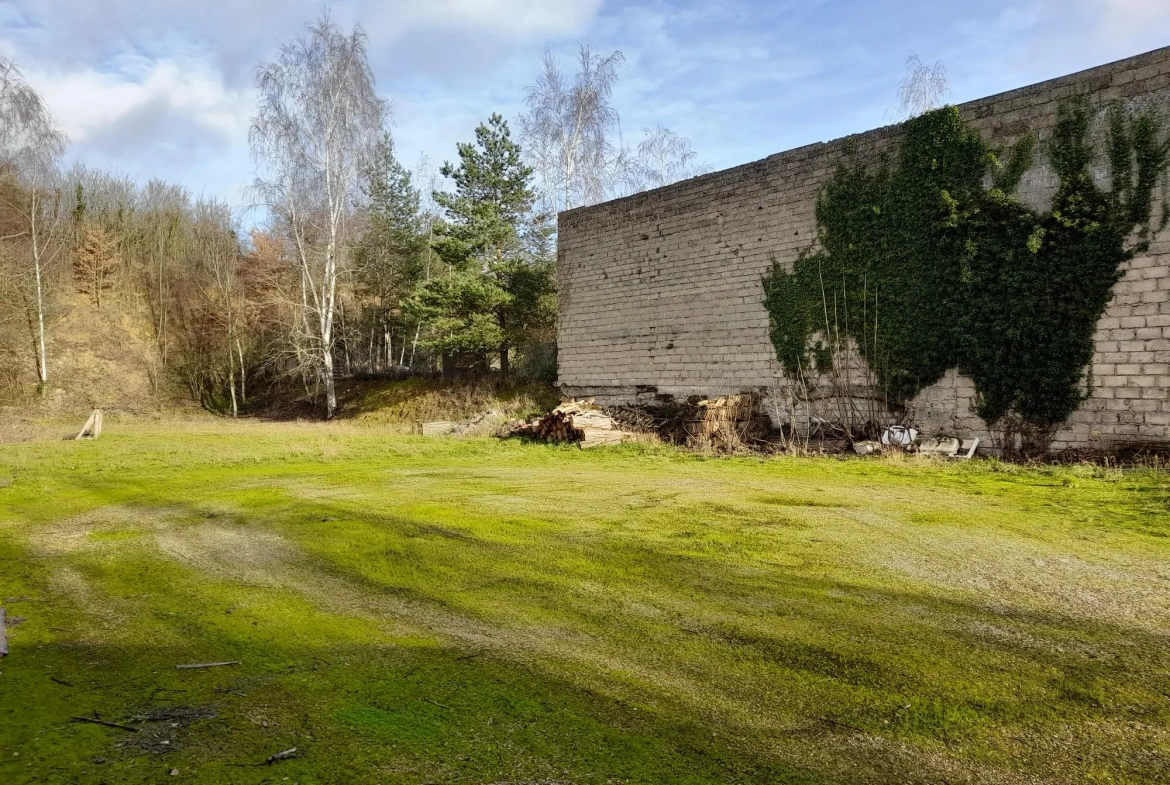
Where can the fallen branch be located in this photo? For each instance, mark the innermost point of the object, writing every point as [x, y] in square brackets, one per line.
[96, 721]
[3, 634]
[441, 706]
[60, 681]
[285, 755]
[200, 665]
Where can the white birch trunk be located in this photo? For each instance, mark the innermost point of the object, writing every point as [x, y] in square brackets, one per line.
[232, 381]
[414, 346]
[328, 304]
[243, 372]
[38, 277]
[42, 359]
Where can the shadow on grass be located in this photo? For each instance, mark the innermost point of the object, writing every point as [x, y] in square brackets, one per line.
[389, 712]
[810, 664]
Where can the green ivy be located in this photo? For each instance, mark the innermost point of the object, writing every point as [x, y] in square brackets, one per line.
[935, 264]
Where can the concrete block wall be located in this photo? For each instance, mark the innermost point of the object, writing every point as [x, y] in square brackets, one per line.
[661, 292]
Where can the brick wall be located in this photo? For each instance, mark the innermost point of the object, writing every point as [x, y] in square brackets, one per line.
[661, 292]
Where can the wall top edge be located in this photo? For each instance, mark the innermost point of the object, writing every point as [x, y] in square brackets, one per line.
[968, 108]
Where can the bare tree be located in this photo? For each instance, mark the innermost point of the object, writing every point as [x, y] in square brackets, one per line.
[923, 88]
[663, 158]
[31, 147]
[570, 127]
[430, 214]
[317, 127]
[216, 267]
[162, 243]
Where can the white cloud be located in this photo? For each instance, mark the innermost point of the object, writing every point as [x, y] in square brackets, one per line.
[164, 88]
[237, 29]
[86, 100]
[98, 62]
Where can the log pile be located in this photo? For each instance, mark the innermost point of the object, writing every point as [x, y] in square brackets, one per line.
[727, 422]
[579, 422]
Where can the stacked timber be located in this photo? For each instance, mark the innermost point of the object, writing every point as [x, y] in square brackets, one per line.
[727, 422]
[580, 422]
[718, 415]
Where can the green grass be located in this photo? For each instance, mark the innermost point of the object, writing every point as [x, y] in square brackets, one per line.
[410, 610]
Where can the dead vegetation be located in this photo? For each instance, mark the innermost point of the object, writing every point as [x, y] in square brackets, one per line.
[402, 405]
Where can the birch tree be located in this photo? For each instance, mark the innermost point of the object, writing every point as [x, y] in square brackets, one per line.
[663, 158]
[571, 131]
[31, 147]
[316, 130]
[922, 89]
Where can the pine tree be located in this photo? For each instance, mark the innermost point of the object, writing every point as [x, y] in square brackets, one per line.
[391, 257]
[501, 278]
[493, 197]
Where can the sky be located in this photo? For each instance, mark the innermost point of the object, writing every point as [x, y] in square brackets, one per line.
[163, 88]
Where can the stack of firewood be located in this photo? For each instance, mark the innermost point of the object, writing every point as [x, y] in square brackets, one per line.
[580, 422]
[728, 421]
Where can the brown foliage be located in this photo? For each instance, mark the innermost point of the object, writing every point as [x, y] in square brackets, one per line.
[95, 262]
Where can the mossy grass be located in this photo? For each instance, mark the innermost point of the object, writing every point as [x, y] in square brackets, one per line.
[432, 610]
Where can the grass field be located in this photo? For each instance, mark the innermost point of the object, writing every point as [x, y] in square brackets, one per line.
[408, 610]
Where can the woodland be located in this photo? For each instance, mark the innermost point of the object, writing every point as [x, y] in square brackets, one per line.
[344, 262]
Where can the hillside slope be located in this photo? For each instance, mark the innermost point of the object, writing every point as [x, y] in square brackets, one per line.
[98, 357]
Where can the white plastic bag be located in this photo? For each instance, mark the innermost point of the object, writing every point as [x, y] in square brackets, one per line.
[899, 435]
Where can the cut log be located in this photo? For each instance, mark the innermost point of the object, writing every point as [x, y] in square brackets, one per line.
[580, 422]
[727, 421]
[595, 437]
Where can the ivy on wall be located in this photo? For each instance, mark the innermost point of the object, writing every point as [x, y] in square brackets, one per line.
[935, 264]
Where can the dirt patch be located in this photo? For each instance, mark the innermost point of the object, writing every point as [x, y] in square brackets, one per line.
[247, 555]
[103, 528]
[1031, 575]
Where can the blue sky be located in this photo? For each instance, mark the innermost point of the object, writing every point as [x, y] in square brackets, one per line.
[164, 89]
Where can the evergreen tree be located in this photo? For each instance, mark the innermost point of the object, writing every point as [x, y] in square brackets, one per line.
[499, 292]
[492, 200]
[390, 259]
